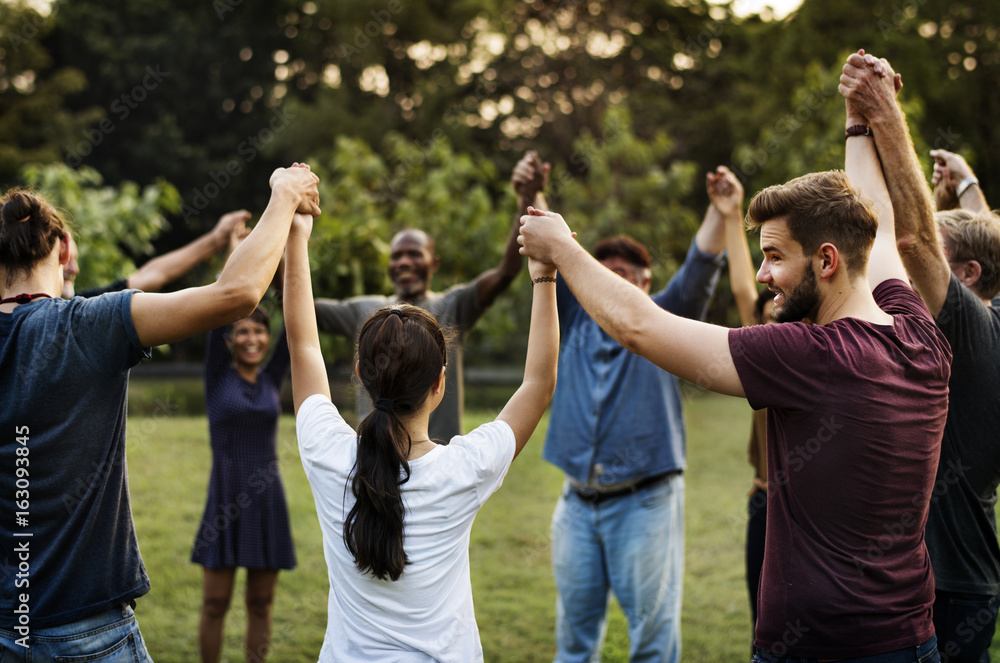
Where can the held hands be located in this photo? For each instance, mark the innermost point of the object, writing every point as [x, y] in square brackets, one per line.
[869, 86]
[530, 176]
[726, 192]
[542, 236]
[949, 169]
[226, 224]
[301, 183]
[237, 233]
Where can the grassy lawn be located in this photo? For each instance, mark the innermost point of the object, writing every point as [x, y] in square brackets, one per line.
[169, 463]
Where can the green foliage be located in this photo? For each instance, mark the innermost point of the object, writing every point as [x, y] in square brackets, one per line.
[34, 119]
[629, 185]
[415, 111]
[112, 224]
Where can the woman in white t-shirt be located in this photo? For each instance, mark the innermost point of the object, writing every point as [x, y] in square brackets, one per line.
[396, 509]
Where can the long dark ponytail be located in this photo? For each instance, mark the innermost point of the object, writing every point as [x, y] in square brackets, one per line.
[401, 351]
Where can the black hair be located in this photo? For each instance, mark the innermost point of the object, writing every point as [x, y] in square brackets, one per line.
[401, 351]
[29, 228]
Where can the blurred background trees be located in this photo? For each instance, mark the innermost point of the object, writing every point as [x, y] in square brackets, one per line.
[414, 113]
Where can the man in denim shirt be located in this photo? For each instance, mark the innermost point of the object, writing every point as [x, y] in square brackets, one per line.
[617, 431]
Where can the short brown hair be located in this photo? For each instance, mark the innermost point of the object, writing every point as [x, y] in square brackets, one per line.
[29, 228]
[819, 208]
[625, 248]
[974, 236]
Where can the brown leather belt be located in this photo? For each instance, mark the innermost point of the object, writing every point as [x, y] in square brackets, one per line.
[591, 496]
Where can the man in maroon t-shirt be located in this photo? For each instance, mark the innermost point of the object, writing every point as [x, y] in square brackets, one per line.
[856, 406]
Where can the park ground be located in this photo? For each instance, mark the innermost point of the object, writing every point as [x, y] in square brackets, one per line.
[169, 462]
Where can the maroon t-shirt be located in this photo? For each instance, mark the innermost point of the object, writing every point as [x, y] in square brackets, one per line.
[855, 416]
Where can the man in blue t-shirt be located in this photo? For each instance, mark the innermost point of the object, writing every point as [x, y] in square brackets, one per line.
[617, 431]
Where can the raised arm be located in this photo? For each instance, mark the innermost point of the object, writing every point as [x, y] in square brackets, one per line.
[525, 408]
[689, 349]
[528, 180]
[161, 270]
[953, 175]
[726, 194]
[711, 235]
[869, 87]
[168, 317]
[308, 370]
[861, 162]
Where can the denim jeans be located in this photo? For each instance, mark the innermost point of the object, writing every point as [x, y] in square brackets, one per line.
[964, 625]
[632, 545]
[923, 653]
[108, 637]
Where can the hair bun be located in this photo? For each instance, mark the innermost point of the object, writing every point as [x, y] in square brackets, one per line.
[19, 207]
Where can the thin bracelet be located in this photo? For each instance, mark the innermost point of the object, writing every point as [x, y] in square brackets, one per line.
[543, 279]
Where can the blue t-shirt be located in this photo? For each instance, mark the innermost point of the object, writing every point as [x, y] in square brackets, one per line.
[67, 543]
[616, 417]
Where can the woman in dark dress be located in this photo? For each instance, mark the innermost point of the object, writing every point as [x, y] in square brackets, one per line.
[246, 517]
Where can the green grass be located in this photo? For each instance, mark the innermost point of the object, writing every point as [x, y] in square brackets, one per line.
[169, 463]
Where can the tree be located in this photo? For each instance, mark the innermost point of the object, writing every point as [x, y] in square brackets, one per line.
[113, 226]
[34, 123]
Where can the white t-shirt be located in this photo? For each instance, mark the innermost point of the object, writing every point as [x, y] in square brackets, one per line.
[426, 615]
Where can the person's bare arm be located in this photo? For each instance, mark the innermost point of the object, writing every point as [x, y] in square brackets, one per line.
[711, 235]
[529, 179]
[525, 408]
[861, 163]
[687, 348]
[167, 317]
[726, 194]
[953, 173]
[870, 87]
[308, 369]
[161, 270]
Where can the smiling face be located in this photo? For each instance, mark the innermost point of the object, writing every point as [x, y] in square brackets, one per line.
[248, 341]
[412, 263]
[787, 272]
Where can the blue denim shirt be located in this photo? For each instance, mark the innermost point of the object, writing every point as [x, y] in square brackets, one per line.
[615, 416]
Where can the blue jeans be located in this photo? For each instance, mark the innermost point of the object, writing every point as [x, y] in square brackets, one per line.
[923, 653]
[108, 637]
[632, 545]
[964, 625]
